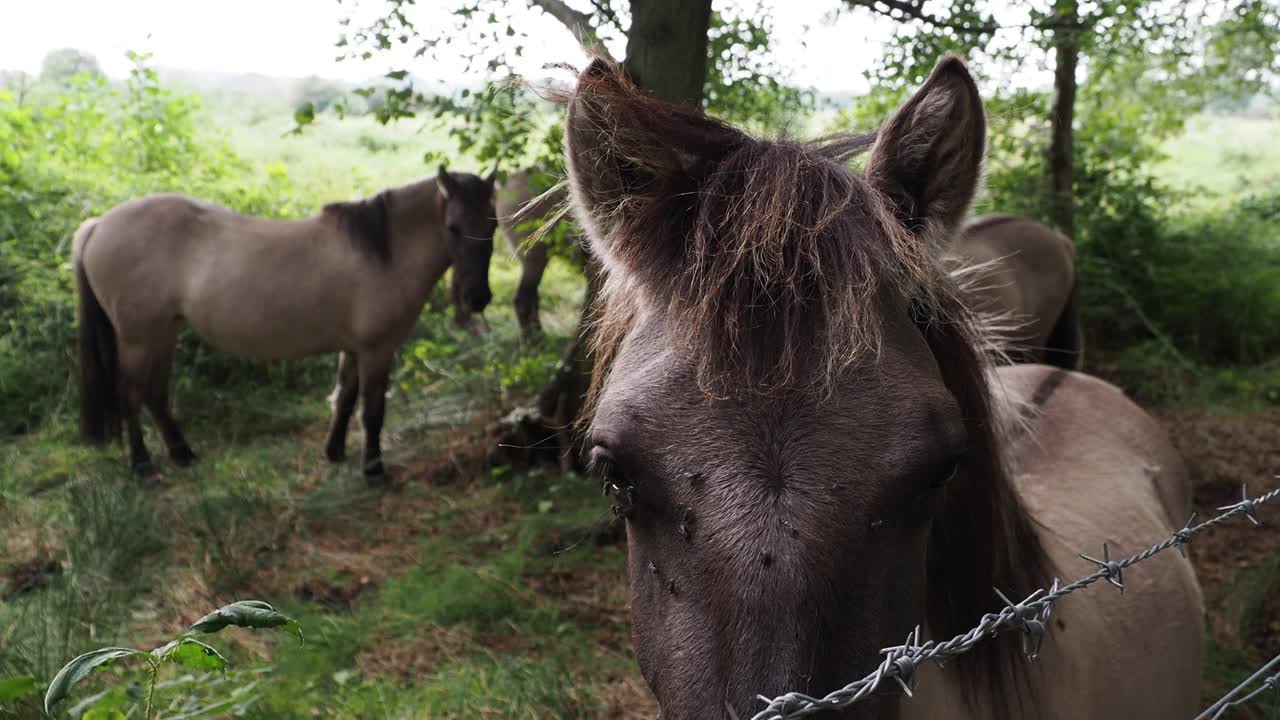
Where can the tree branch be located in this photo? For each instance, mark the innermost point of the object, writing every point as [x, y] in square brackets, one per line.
[578, 23]
[914, 10]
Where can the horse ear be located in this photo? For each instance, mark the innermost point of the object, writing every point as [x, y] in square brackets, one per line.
[626, 151]
[448, 186]
[492, 177]
[928, 158]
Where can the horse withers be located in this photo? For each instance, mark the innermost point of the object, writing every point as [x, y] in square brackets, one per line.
[1022, 272]
[795, 414]
[351, 280]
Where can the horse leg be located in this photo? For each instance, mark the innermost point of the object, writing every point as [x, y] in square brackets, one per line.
[344, 403]
[374, 371]
[532, 266]
[157, 398]
[132, 389]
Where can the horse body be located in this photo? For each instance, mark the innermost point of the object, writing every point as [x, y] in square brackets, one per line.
[258, 288]
[794, 413]
[1025, 274]
[1107, 654]
[351, 280]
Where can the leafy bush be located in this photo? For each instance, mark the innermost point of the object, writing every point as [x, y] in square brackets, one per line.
[1203, 282]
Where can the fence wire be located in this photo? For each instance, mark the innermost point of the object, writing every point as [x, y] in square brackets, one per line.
[1030, 616]
[1230, 700]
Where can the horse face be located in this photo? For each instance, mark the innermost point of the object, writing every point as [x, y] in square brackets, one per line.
[775, 543]
[774, 423]
[470, 222]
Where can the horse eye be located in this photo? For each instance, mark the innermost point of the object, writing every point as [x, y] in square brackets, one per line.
[455, 229]
[613, 481]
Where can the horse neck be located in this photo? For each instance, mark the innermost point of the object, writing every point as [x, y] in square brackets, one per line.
[419, 249]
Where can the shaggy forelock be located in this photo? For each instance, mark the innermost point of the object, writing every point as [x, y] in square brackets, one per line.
[766, 258]
[778, 253]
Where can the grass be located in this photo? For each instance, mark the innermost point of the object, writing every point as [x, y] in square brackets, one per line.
[342, 158]
[435, 601]
[441, 599]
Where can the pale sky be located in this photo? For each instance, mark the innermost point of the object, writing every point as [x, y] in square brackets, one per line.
[295, 38]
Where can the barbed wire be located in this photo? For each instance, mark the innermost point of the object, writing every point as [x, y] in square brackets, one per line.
[1228, 701]
[1030, 616]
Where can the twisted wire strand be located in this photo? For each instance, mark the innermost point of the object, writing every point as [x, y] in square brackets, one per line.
[1030, 616]
[1227, 702]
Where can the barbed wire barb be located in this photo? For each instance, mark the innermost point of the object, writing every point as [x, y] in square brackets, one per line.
[1112, 571]
[1246, 505]
[1184, 535]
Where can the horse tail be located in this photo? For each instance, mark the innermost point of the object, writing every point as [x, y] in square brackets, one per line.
[1065, 345]
[99, 397]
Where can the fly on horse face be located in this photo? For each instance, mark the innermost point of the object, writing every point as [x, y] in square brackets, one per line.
[352, 280]
[795, 416]
[1022, 272]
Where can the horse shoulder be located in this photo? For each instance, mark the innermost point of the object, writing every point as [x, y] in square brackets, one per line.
[1092, 467]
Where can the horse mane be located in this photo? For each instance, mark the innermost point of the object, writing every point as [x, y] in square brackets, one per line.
[769, 257]
[366, 222]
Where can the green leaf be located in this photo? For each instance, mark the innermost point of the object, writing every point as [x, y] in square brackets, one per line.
[398, 74]
[246, 614]
[305, 115]
[75, 671]
[12, 688]
[191, 653]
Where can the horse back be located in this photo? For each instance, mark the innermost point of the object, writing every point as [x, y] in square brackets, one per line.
[255, 287]
[1035, 248]
[1027, 271]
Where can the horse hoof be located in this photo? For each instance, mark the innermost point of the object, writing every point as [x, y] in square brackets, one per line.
[183, 457]
[335, 455]
[375, 475]
[144, 470]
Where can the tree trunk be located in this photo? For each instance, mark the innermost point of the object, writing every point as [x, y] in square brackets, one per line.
[1061, 157]
[666, 56]
[667, 48]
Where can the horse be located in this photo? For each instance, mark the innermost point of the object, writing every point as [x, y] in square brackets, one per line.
[794, 414]
[521, 216]
[351, 280]
[1023, 272]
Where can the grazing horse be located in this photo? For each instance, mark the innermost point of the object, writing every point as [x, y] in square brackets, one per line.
[1024, 272]
[794, 414]
[352, 279]
[521, 214]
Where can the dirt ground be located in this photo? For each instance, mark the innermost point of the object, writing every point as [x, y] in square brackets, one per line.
[1238, 564]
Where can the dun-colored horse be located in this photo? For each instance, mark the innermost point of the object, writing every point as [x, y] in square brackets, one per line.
[795, 416]
[351, 280]
[1024, 273]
